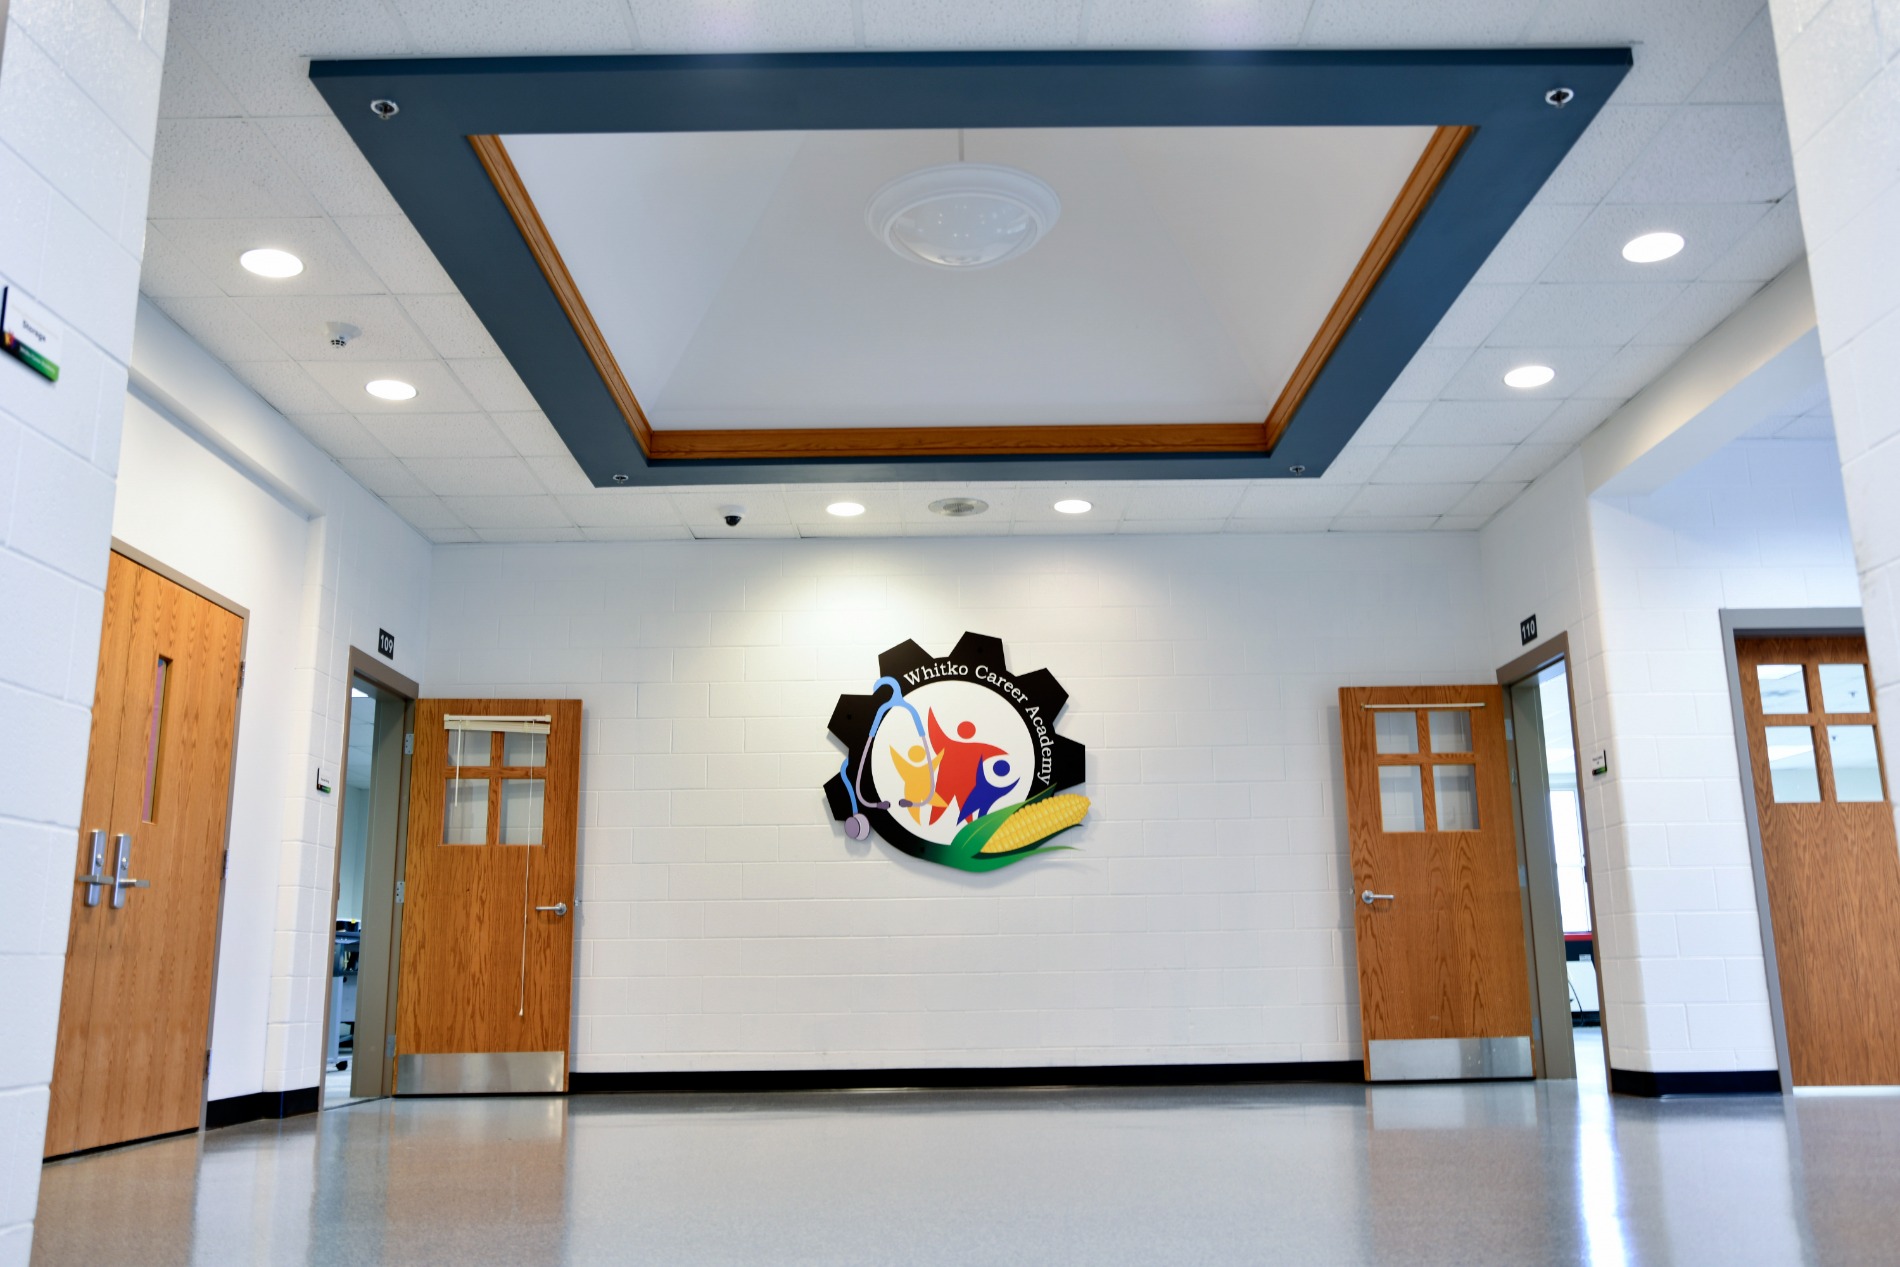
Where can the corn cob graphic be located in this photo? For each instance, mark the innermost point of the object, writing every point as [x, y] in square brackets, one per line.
[1036, 821]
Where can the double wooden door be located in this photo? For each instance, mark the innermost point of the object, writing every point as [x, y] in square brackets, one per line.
[488, 909]
[1444, 987]
[135, 1009]
[1828, 854]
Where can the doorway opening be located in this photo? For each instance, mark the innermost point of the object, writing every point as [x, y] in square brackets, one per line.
[360, 1008]
[1559, 913]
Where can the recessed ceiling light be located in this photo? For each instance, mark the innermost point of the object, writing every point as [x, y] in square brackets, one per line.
[390, 389]
[1652, 247]
[1525, 377]
[844, 510]
[268, 261]
[1074, 506]
[958, 507]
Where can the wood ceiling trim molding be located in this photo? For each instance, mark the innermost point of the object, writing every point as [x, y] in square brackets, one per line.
[976, 441]
[1416, 194]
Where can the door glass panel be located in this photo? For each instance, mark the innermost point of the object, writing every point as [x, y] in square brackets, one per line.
[1844, 689]
[1401, 797]
[1783, 690]
[1451, 732]
[1455, 789]
[1396, 732]
[154, 738]
[1791, 773]
[468, 747]
[1856, 765]
[465, 812]
[521, 807]
[524, 750]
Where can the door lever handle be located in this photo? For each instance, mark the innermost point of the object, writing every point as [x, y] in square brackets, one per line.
[122, 843]
[96, 877]
[559, 908]
[1369, 897]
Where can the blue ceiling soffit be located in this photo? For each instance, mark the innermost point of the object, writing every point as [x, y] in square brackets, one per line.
[423, 155]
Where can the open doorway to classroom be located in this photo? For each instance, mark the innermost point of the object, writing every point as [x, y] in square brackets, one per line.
[1562, 941]
[360, 1009]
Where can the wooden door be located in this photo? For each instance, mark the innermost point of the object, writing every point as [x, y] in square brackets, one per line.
[1444, 989]
[142, 943]
[1828, 855]
[488, 905]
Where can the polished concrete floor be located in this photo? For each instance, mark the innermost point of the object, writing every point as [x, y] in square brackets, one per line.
[1503, 1173]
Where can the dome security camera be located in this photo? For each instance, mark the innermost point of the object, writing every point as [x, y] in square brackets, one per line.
[732, 515]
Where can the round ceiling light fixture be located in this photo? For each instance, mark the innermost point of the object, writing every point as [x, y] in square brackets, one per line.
[1074, 506]
[1651, 248]
[268, 261]
[959, 507]
[963, 215]
[390, 389]
[844, 510]
[1525, 377]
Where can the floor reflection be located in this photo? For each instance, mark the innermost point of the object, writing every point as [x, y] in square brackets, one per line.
[1499, 1173]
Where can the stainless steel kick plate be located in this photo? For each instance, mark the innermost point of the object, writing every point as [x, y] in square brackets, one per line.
[1444, 1059]
[481, 1073]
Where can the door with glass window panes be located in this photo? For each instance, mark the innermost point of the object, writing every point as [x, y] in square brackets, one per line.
[1438, 915]
[1828, 855]
[488, 897]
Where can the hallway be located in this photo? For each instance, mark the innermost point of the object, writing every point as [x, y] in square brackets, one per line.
[1501, 1173]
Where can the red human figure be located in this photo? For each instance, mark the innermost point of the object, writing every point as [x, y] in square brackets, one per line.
[959, 764]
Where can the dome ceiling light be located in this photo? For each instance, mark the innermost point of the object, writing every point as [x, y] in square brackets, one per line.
[963, 215]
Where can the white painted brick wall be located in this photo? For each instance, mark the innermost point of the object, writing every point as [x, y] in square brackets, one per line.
[1840, 75]
[78, 107]
[726, 922]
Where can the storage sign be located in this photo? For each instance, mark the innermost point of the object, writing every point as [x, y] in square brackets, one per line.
[28, 333]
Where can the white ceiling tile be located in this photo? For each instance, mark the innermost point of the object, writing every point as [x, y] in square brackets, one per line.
[299, 324]
[1748, 71]
[385, 477]
[329, 165]
[286, 385]
[451, 326]
[224, 329]
[913, 500]
[530, 432]
[1381, 500]
[188, 89]
[1426, 374]
[636, 532]
[1460, 523]
[260, 50]
[397, 254]
[1383, 523]
[1292, 499]
[1035, 502]
[1288, 525]
[1474, 315]
[474, 28]
[1384, 24]
[1482, 377]
[1355, 463]
[559, 474]
[1460, 422]
[805, 503]
[339, 435]
[203, 168]
[1574, 419]
[511, 512]
[972, 526]
[331, 265]
[1440, 463]
[1169, 527]
[1072, 526]
[1389, 421]
[1675, 44]
[1630, 370]
[1184, 499]
[528, 535]
[1709, 232]
[1816, 425]
[713, 26]
[1529, 246]
[493, 383]
[437, 435]
[474, 478]
[1767, 250]
[437, 391]
[1700, 308]
[1601, 155]
[165, 270]
[971, 23]
[426, 513]
[1728, 153]
[620, 508]
[1577, 314]
[1195, 23]
[1529, 461]
[1488, 498]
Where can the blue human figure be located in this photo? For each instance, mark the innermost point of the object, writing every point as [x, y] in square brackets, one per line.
[985, 794]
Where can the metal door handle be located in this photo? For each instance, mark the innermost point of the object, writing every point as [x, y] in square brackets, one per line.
[122, 843]
[97, 878]
[1369, 897]
[559, 908]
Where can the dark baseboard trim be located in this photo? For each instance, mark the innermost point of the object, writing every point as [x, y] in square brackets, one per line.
[258, 1105]
[124, 1143]
[1725, 1082]
[749, 1080]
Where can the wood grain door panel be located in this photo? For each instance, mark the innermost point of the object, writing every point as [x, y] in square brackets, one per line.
[483, 971]
[1833, 878]
[130, 1059]
[1444, 957]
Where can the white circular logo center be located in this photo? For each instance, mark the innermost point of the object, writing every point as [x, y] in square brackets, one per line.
[972, 754]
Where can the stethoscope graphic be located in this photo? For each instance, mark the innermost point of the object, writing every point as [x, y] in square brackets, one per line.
[858, 826]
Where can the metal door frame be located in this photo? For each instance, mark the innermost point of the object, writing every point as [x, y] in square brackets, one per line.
[1744, 622]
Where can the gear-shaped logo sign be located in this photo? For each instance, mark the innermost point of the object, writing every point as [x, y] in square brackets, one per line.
[956, 760]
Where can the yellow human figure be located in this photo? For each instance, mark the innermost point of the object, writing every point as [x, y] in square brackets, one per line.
[915, 771]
